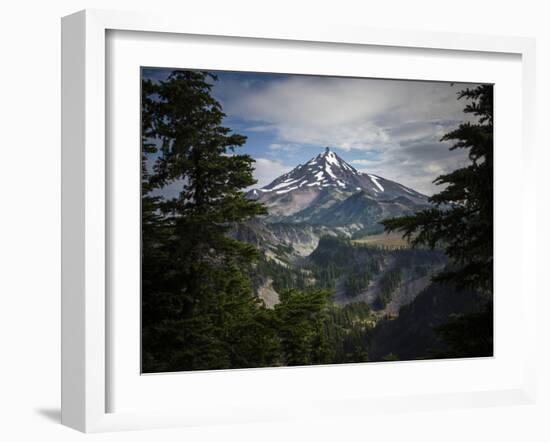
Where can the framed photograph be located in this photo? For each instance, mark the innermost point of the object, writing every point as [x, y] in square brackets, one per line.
[262, 222]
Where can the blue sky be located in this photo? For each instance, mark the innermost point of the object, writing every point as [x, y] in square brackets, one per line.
[390, 128]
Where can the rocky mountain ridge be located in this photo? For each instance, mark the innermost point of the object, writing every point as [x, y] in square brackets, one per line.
[327, 191]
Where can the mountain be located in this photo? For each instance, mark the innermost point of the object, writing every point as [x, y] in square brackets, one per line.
[330, 192]
[321, 217]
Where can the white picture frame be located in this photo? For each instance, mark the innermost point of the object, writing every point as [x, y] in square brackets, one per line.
[86, 315]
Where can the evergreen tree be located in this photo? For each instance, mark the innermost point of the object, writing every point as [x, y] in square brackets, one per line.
[300, 317]
[462, 220]
[462, 223]
[198, 310]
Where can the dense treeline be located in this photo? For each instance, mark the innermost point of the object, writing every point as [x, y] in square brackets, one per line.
[326, 334]
[388, 284]
[349, 328]
[338, 258]
[414, 333]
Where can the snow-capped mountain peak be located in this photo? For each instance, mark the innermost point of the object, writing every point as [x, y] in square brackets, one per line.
[326, 190]
[326, 179]
[326, 170]
[327, 160]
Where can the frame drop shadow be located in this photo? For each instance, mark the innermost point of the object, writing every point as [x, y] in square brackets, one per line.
[51, 414]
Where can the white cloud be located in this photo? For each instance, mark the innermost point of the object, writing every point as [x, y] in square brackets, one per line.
[348, 113]
[416, 166]
[288, 147]
[266, 170]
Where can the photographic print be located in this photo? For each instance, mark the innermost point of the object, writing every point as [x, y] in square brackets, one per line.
[294, 220]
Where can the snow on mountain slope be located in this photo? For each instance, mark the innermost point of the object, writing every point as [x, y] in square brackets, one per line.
[324, 197]
[323, 181]
[325, 170]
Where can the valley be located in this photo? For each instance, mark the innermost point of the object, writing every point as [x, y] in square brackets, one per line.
[322, 232]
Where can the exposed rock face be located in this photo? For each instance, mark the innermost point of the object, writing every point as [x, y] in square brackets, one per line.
[281, 239]
[267, 294]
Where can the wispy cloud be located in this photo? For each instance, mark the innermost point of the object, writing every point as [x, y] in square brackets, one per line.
[348, 113]
[266, 170]
[287, 147]
[416, 166]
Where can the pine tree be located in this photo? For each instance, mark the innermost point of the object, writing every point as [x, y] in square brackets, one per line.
[300, 317]
[462, 220]
[198, 309]
[462, 223]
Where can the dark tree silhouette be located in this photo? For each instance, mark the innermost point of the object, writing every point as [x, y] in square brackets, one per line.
[462, 220]
[462, 223]
[198, 310]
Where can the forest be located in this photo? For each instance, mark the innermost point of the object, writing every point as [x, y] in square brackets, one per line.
[200, 303]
